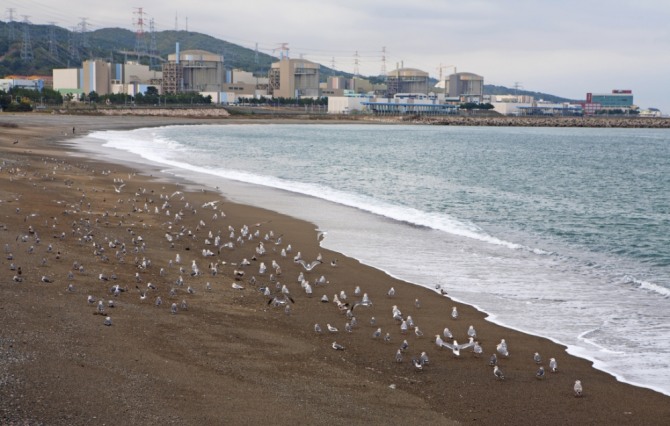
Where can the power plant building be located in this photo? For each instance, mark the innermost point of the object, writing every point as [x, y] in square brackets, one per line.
[294, 78]
[466, 86]
[193, 71]
[406, 80]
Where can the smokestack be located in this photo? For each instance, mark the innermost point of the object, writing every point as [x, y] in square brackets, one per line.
[177, 49]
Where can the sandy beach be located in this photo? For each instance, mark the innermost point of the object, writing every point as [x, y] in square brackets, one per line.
[233, 355]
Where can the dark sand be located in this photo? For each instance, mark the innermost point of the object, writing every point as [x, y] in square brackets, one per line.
[231, 358]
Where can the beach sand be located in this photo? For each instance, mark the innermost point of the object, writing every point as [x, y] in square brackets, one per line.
[230, 357]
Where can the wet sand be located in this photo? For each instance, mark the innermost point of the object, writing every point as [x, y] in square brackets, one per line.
[229, 357]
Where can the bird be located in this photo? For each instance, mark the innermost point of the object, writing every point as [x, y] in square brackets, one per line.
[331, 328]
[417, 364]
[454, 313]
[578, 388]
[46, 279]
[493, 360]
[391, 292]
[537, 358]
[418, 332]
[398, 356]
[377, 333]
[387, 337]
[502, 348]
[337, 346]
[108, 321]
[477, 349]
[471, 332]
[317, 328]
[553, 365]
[456, 348]
[447, 333]
[424, 358]
[404, 345]
[173, 308]
[540, 373]
[309, 266]
[497, 372]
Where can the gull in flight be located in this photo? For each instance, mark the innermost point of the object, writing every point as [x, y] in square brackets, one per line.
[309, 266]
[119, 188]
[455, 347]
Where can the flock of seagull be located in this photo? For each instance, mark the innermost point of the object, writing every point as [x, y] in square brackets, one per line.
[174, 282]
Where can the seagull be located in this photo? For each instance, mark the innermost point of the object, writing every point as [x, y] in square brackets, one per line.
[236, 286]
[477, 349]
[337, 346]
[317, 328]
[537, 358]
[373, 321]
[108, 321]
[447, 333]
[418, 332]
[471, 332]
[46, 279]
[502, 348]
[417, 364]
[173, 308]
[91, 299]
[456, 348]
[578, 388]
[331, 328]
[417, 303]
[553, 365]
[391, 292]
[454, 313]
[498, 373]
[540, 373]
[404, 345]
[119, 188]
[493, 360]
[377, 333]
[398, 356]
[309, 266]
[424, 358]
[387, 337]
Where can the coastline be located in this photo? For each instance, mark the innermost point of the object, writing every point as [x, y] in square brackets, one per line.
[253, 348]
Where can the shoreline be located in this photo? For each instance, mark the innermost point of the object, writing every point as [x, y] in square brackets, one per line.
[367, 363]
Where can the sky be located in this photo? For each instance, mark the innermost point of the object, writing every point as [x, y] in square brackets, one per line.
[562, 47]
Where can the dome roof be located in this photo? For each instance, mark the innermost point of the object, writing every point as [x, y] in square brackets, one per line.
[407, 72]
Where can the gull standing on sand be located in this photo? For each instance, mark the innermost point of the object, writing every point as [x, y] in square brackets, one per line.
[537, 358]
[578, 388]
[471, 332]
[454, 313]
[553, 365]
[497, 372]
[540, 373]
[502, 348]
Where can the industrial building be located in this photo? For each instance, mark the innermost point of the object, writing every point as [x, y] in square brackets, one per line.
[294, 78]
[193, 71]
[618, 99]
[464, 86]
[406, 80]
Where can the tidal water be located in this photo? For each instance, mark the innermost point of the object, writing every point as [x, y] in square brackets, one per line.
[562, 233]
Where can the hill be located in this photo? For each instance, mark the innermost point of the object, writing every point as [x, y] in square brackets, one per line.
[55, 47]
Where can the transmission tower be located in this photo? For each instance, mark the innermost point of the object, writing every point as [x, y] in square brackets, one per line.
[26, 46]
[383, 70]
[256, 55]
[356, 70]
[176, 21]
[332, 63]
[153, 49]
[73, 45]
[10, 24]
[140, 42]
[83, 28]
[53, 47]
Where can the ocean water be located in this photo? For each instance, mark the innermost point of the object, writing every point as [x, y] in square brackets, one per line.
[562, 233]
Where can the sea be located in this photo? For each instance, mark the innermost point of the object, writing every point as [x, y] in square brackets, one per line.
[558, 232]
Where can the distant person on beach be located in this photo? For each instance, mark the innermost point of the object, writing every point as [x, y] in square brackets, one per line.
[73, 130]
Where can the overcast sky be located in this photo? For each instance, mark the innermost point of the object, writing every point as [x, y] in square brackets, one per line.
[563, 47]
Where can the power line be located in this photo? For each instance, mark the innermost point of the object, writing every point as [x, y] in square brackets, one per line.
[53, 47]
[10, 24]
